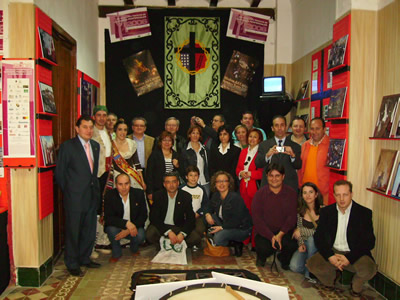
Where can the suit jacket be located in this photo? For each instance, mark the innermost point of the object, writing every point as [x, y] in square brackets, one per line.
[102, 157]
[282, 159]
[184, 217]
[155, 170]
[256, 174]
[148, 146]
[188, 158]
[79, 185]
[360, 232]
[114, 209]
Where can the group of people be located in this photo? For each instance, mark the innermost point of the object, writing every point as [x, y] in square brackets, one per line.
[236, 186]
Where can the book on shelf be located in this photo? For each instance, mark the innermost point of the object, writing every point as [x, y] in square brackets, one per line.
[48, 154]
[303, 90]
[47, 45]
[47, 97]
[336, 103]
[338, 52]
[386, 116]
[335, 153]
[395, 188]
[396, 119]
[384, 170]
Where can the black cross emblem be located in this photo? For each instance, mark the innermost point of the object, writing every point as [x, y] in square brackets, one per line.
[192, 50]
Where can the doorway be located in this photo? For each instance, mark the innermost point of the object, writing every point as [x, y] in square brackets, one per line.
[65, 96]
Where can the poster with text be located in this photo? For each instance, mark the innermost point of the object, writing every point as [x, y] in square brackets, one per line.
[248, 26]
[18, 108]
[239, 73]
[129, 24]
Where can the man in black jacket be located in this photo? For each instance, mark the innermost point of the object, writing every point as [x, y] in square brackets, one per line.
[76, 175]
[344, 239]
[125, 213]
[172, 215]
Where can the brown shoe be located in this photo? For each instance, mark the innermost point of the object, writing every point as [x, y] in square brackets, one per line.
[113, 260]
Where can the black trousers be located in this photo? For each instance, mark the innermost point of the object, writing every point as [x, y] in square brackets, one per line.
[80, 234]
[264, 248]
[102, 183]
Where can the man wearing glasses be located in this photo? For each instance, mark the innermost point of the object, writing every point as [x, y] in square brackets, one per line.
[144, 142]
[210, 133]
[172, 126]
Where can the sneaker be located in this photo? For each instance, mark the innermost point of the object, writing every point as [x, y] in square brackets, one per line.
[195, 248]
[103, 249]
[211, 241]
[94, 254]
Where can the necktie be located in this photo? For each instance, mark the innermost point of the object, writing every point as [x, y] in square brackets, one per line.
[280, 143]
[89, 157]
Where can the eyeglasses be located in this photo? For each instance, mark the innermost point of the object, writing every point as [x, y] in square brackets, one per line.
[166, 140]
[222, 181]
[247, 161]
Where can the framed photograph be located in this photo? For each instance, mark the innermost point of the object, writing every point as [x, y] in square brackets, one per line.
[47, 144]
[336, 103]
[303, 90]
[335, 153]
[386, 116]
[47, 46]
[383, 170]
[396, 183]
[337, 53]
[47, 97]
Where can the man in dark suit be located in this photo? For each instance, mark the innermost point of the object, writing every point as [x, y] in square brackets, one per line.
[76, 174]
[344, 239]
[124, 214]
[172, 215]
[280, 150]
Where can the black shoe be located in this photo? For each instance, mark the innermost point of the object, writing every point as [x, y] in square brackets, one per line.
[92, 265]
[238, 246]
[75, 272]
[260, 262]
[285, 267]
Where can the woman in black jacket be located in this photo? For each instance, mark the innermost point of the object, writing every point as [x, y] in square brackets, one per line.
[196, 154]
[162, 160]
[227, 214]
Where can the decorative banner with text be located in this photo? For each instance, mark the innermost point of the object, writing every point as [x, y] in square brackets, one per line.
[129, 24]
[192, 70]
[248, 26]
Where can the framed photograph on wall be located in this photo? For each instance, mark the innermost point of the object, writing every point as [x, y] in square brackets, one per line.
[337, 53]
[47, 45]
[47, 97]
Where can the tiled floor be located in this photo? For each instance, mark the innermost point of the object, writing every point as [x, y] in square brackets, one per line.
[112, 280]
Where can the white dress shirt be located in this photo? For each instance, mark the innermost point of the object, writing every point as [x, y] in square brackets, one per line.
[341, 232]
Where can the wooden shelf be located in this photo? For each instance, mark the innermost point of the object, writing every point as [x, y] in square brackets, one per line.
[304, 99]
[384, 195]
[374, 138]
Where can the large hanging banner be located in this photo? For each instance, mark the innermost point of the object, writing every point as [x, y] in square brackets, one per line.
[192, 74]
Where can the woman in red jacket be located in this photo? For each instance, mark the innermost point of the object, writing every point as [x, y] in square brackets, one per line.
[246, 169]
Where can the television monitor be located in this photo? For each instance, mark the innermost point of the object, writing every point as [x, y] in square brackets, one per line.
[274, 85]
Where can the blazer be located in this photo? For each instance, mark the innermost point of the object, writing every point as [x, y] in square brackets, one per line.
[282, 159]
[226, 162]
[148, 146]
[188, 158]
[184, 217]
[114, 208]
[360, 232]
[235, 214]
[79, 185]
[256, 174]
[155, 170]
[102, 157]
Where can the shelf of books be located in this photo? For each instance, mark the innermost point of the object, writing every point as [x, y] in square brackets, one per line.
[384, 195]
[45, 110]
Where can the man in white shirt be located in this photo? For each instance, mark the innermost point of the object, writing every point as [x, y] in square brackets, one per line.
[101, 135]
[344, 239]
[125, 213]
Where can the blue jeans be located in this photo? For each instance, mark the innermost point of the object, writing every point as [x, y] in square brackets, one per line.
[116, 246]
[298, 261]
[222, 238]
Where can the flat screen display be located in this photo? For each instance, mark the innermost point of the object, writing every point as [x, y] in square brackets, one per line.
[274, 85]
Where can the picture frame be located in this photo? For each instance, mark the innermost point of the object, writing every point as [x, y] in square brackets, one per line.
[47, 98]
[48, 49]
